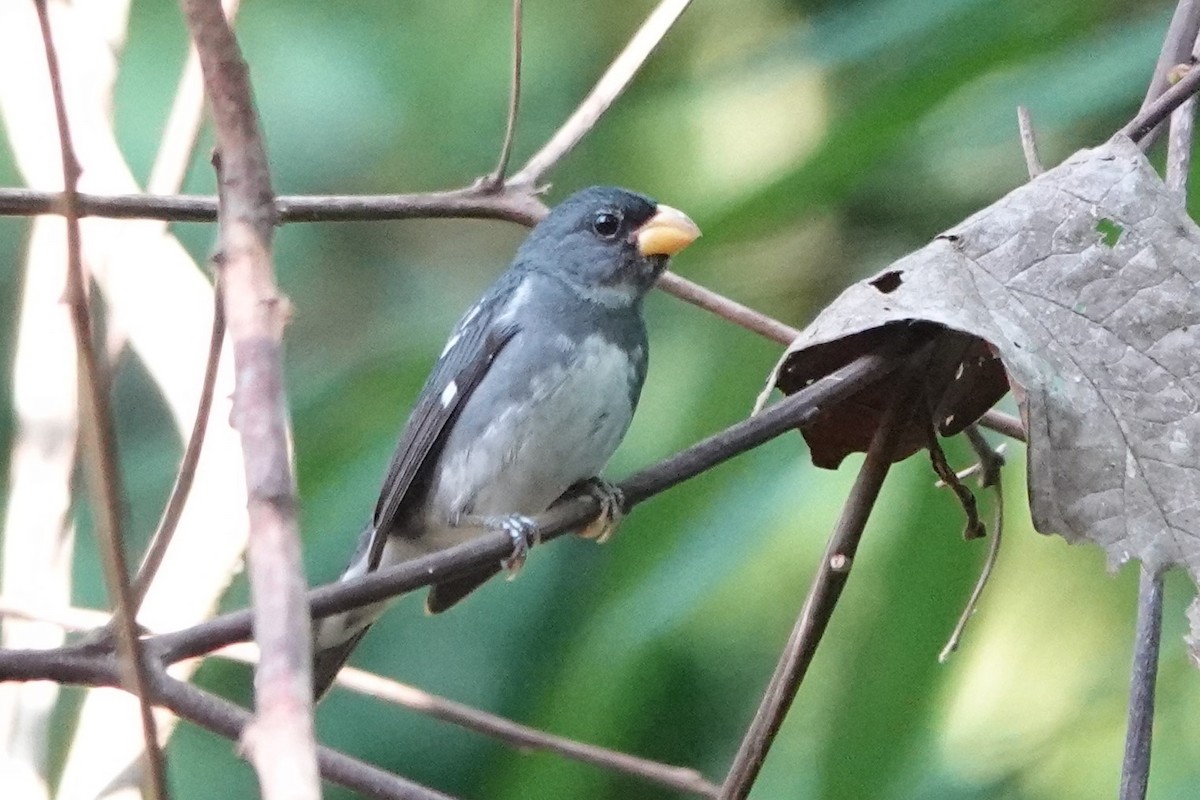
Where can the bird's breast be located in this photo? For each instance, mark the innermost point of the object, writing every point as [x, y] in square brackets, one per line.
[552, 424]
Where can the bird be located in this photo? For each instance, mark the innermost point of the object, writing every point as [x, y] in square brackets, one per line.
[530, 397]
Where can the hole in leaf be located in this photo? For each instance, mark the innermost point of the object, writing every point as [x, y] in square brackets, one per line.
[889, 281]
[1110, 232]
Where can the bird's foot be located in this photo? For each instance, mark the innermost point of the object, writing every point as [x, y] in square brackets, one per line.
[524, 534]
[612, 509]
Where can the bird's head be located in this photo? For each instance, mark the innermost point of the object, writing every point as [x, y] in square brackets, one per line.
[608, 244]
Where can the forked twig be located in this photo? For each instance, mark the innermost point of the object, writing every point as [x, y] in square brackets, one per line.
[824, 592]
[99, 436]
[1177, 43]
[610, 86]
[1139, 128]
[496, 179]
[988, 468]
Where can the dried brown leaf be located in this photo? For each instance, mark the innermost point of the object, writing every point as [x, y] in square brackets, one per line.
[1084, 287]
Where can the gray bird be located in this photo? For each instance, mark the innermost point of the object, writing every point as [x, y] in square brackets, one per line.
[533, 392]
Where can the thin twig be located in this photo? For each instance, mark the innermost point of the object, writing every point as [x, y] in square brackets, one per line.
[1177, 43]
[726, 309]
[523, 737]
[232, 721]
[467, 203]
[182, 129]
[161, 540]
[1146, 120]
[985, 574]
[610, 86]
[989, 466]
[823, 594]
[496, 179]
[1135, 768]
[99, 438]
[1003, 423]
[280, 742]
[1033, 164]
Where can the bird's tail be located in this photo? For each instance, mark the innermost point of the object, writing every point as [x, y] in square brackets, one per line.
[334, 637]
[328, 662]
[333, 640]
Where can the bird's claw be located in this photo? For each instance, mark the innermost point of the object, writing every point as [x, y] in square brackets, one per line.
[524, 534]
[612, 510]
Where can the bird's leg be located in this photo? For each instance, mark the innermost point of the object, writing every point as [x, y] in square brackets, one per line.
[521, 529]
[612, 508]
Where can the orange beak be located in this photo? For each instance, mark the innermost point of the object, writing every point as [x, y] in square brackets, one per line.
[666, 233]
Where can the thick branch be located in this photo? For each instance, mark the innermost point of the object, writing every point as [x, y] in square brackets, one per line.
[281, 743]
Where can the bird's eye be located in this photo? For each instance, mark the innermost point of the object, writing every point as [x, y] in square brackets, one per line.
[606, 223]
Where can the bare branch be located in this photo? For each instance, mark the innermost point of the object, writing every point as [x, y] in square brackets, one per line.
[99, 436]
[182, 128]
[467, 203]
[231, 721]
[280, 743]
[610, 86]
[495, 181]
[1135, 768]
[523, 737]
[486, 549]
[824, 592]
[1139, 128]
[161, 540]
[727, 309]
[514, 734]
[1177, 43]
[1033, 164]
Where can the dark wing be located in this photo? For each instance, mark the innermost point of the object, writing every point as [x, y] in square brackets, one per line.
[465, 364]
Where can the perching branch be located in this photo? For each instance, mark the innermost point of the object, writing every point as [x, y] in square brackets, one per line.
[489, 548]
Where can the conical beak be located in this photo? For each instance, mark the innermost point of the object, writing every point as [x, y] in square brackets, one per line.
[666, 233]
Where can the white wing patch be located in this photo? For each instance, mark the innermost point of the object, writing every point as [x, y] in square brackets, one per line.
[449, 393]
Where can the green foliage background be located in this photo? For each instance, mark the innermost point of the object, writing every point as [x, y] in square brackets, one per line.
[813, 141]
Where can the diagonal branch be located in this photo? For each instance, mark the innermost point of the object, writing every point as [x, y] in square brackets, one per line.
[610, 86]
[487, 549]
[156, 551]
[99, 437]
[823, 595]
[1176, 48]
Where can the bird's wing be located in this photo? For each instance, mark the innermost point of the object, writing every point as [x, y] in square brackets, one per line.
[454, 377]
